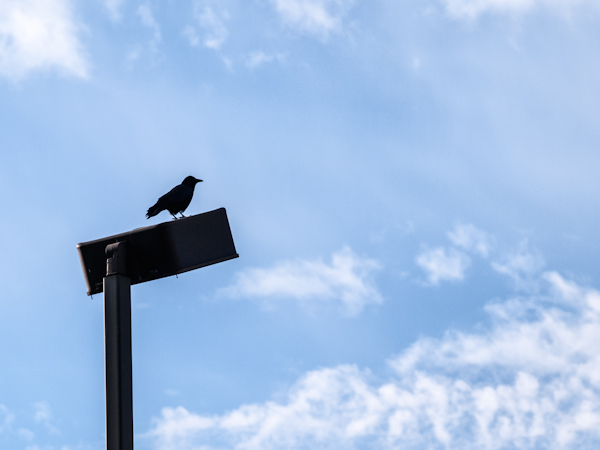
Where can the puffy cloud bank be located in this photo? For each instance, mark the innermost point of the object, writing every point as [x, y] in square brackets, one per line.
[39, 34]
[529, 380]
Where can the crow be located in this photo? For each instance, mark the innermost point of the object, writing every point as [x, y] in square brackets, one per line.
[176, 200]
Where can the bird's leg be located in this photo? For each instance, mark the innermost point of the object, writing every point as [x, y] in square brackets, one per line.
[174, 216]
[182, 216]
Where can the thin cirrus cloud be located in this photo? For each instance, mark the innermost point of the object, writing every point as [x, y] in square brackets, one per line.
[37, 35]
[347, 281]
[529, 379]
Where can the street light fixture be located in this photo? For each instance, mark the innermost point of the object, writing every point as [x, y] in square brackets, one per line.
[112, 264]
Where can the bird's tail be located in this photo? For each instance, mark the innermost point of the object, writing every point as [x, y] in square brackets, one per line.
[153, 210]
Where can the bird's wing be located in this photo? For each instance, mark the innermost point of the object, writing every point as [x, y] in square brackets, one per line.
[177, 194]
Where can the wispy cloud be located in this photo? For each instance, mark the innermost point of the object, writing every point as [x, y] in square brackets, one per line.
[347, 280]
[6, 418]
[441, 264]
[26, 434]
[147, 17]
[471, 9]
[212, 32]
[529, 380]
[451, 263]
[259, 58]
[39, 34]
[43, 415]
[522, 266]
[320, 17]
[470, 238]
[114, 8]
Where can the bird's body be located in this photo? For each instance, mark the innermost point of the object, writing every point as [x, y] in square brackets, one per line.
[176, 200]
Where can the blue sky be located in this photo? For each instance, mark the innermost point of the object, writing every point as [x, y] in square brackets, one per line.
[412, 188]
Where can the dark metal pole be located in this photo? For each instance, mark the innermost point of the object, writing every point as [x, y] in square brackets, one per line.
[117, 348]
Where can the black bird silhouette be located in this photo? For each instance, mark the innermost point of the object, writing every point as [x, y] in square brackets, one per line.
[176, 200]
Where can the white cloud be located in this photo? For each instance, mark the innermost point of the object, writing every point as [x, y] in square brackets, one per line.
[212, 23]
[39, 34]
[441, 264]
[347, 280]
[319, 17]
[529, 380]
[472, 239]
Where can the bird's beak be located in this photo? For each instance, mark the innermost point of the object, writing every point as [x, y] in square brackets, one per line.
[198, 181]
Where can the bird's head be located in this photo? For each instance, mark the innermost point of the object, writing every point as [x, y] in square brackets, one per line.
[191, 181]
